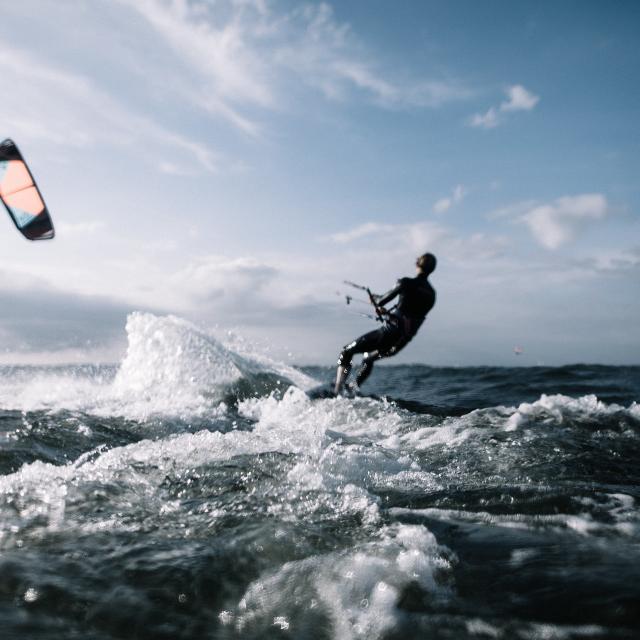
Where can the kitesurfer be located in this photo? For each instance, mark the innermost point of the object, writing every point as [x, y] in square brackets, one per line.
[416, 298]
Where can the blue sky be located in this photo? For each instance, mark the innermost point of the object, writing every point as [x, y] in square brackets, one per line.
[232, 162]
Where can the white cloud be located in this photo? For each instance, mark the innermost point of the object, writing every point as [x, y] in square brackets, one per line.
[361, 231]
[557, 223]
[327, 55]
[487, 120]
[388, 245]
[412, 236]
[614, 260]
[518, 99]
[89, 227]
[421, 237]
[230, 60]
[444, 204]
[68, 109]
[226, 66]
[239, 56]
[512, 211]
[221, 279]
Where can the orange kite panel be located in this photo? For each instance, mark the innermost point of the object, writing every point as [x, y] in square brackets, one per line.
[16, 177]
[28, 200]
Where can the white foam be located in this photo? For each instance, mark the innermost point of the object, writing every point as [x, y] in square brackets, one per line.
[556, 409]
[338, 473]
[582, 524]
[452, 432]
[546, 631]
[351, 455]
[33, 390]
[358, 589]
[172, 368]
[478, 627]
[520, 557]
[481, 424]
[621, 507]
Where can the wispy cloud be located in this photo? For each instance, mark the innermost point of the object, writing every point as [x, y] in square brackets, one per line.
[518, 99]
[487, 120]
[412, 236]
[90, 227]
[223, 280]
[444, 204]
[243, 56]
[615, 260]
[218, 52]
[68, 109]
[361, 231]
[327, 55]
[556, 223]
[390, 241]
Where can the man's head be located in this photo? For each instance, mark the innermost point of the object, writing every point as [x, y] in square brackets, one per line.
[426, 263]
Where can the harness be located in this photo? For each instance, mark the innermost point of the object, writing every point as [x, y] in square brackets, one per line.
[405, 324]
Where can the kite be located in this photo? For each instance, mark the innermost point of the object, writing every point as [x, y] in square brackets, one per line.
[21, 196]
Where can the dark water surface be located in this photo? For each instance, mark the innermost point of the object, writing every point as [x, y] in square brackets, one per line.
[196, 492]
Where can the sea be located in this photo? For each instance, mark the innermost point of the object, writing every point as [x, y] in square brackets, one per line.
[195, 491]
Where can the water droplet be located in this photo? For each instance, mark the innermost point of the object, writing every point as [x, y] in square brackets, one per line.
[282, 622]
[31, 595]
[225, 617]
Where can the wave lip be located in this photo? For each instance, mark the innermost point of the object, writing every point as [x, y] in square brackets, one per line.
[171, 368]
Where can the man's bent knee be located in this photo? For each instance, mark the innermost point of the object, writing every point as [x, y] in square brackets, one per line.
[344, 359]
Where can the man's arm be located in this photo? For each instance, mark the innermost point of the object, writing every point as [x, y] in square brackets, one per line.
[390, 295]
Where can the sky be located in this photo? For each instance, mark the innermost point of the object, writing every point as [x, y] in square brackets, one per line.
[232, 162]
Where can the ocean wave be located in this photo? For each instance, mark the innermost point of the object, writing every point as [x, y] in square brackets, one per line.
[172, 369]
[327, 470]
[350, 594]
[196, 490]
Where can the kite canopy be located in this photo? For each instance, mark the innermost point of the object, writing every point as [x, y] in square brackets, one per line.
[21, 196]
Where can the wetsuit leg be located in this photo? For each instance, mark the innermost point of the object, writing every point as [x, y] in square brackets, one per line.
[359, 345]
[367, 367]
[373, 341]
[385, 351]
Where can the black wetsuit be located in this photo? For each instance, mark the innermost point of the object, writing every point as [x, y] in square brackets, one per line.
[416, 298]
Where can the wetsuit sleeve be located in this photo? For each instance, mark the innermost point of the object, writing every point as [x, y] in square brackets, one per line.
[390, 295]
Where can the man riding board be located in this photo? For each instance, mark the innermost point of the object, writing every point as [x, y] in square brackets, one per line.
[416, 298]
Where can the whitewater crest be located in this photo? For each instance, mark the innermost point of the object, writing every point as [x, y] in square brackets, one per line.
[172, 369]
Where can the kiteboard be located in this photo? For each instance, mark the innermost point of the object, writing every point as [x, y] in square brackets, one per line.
[321, 391]
[327, 391]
